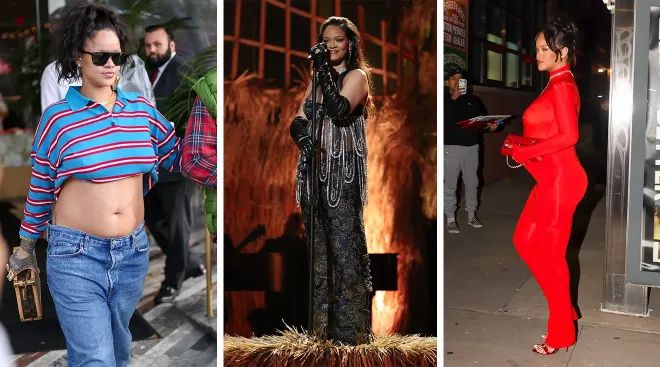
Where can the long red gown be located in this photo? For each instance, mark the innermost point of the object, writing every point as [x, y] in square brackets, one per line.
[544, 227]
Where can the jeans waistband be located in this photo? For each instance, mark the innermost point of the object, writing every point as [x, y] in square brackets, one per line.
[76, 235]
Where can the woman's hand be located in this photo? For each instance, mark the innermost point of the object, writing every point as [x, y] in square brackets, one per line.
[24, 258]
[319, 54]
[518, 154]
[521, 154]
[300, 135]
[305, 146]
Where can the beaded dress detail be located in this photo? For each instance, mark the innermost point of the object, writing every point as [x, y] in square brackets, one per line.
[343, 153]
[342, 281]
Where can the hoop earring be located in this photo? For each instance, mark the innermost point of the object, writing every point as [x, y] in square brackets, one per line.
[117, 78]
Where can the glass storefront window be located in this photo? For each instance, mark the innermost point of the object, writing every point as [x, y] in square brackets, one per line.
[494, 62]
[512, 70]
[513, 34]
[526, 74]
[496, 25]
[508, 29]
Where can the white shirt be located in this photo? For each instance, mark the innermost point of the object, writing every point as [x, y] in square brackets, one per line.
[162, 67]
[134, 78]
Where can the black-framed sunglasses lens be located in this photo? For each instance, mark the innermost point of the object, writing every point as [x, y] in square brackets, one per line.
[101, 58]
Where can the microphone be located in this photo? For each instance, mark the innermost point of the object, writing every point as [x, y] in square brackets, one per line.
[319, 49]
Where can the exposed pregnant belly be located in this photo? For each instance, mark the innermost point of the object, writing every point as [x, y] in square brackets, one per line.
[111, 209]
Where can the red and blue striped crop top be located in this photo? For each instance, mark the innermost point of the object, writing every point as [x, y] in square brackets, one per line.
[79, 138]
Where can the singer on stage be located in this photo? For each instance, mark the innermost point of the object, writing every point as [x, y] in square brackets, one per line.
[341, 278]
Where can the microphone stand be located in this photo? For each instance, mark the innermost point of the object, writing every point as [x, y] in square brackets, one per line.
[312, 175]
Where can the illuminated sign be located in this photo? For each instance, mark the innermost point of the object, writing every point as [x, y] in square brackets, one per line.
[456, 33]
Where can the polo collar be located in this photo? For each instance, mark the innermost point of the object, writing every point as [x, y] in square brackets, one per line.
[121, 97]
[78, 101]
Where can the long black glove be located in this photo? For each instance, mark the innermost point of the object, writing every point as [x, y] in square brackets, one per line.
[335, 104]
[300, 135]
[319, 54]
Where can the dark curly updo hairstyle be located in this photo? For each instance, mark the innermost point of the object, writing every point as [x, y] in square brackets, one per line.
[80, 22]
[561, 32]
[355, 58]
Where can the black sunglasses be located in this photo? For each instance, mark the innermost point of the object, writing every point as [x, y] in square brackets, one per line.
[101, 58]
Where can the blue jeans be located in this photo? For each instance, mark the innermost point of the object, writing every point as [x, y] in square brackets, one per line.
[96, 283]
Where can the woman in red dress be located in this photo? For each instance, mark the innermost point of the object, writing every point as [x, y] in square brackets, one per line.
[544, 227]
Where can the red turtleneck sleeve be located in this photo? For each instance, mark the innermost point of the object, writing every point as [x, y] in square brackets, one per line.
[553, 119]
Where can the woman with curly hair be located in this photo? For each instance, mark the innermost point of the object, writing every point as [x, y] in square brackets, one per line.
[95, 154]
[342, 282]
[544, 227]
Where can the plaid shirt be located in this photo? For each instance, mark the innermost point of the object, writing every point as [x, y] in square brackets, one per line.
[199, 155]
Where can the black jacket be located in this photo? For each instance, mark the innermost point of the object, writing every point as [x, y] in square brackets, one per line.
[462, 108]
[168, 81]
[164, 87]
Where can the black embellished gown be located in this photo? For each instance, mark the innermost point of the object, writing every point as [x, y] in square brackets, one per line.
[342, 281]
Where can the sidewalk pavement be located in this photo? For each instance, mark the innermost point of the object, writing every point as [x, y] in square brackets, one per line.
[494, 310]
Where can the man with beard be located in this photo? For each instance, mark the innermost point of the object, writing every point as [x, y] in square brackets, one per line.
[168, 212]
[162, 62]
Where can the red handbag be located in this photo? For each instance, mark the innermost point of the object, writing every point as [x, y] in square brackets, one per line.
[517, 140]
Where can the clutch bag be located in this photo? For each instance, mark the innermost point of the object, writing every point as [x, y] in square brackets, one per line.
[28, 294]
[512, 140]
